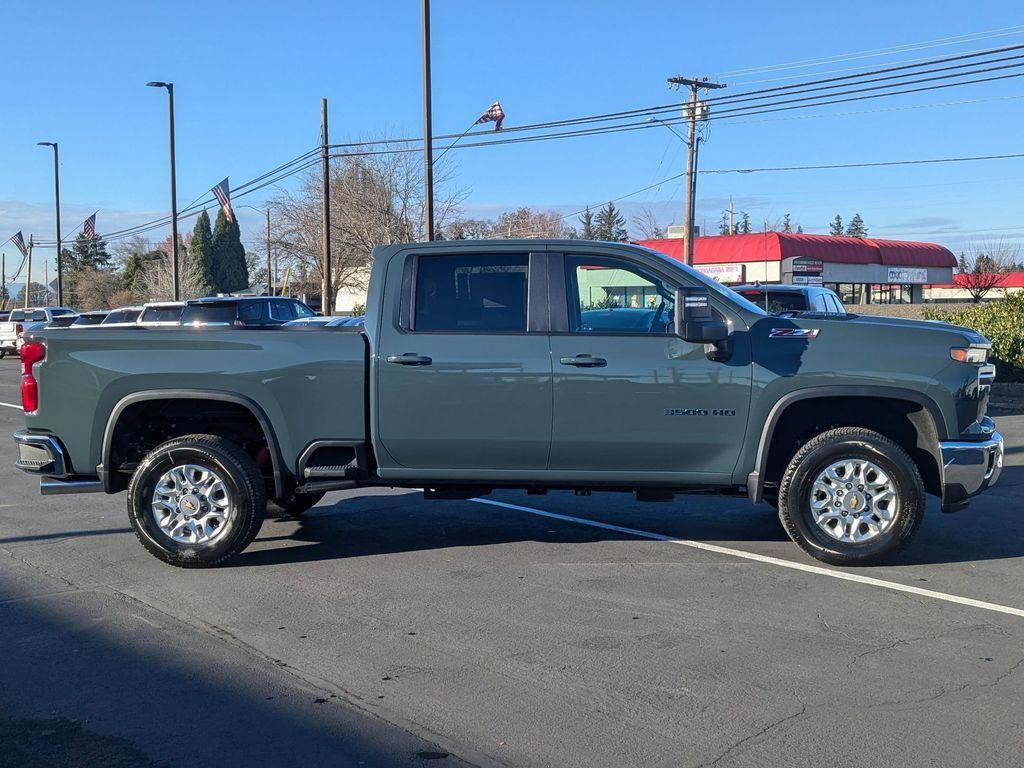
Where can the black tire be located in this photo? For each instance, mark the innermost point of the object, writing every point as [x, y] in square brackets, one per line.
[245, 489]
[818, 454]
[295, 504]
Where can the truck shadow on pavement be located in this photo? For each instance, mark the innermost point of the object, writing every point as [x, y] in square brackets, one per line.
[375, 524]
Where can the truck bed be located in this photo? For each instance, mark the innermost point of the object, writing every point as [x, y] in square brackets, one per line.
[310, 383]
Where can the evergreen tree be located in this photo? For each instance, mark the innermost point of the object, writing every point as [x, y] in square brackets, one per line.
[200, 254]
[799, 229]
[856, 227]
[836, 227]
[787, 225]
[86, 252]
[230, 271]
[744, 227]
[723, 225]
[587, 223]
[961, 264]
[610, 225]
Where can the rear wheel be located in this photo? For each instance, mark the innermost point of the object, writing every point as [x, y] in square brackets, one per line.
[196, 500]
[296, 503]
[851, 496]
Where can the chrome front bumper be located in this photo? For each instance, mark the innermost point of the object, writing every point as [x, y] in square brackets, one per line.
[45, 456]
[968, 468]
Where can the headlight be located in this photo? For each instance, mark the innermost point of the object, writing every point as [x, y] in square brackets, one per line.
[974, 355]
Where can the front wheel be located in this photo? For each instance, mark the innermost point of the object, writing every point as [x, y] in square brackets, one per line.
[196, 500]
[851, 496]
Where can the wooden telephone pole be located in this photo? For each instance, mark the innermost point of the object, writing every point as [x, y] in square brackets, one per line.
[693, 110]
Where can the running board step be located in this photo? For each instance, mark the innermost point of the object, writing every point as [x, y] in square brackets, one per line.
[338, 471]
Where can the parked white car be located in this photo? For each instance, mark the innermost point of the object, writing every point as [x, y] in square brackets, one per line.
[21, 321]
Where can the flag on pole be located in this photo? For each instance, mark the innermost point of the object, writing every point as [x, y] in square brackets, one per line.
[89, 227]
[223, 195]
[495, 114]
[19, 241]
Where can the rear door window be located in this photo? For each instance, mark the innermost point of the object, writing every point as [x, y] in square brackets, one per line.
[281, 311]
[252, 311]
[471, 294]
[161, 314]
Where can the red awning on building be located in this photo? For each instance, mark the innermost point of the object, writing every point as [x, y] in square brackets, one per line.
[775, 246]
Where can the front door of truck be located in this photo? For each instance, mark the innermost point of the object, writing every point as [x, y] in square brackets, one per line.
[462, 381]
[630, 397]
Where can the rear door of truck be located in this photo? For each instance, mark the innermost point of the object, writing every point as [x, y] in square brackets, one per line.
[462, 380]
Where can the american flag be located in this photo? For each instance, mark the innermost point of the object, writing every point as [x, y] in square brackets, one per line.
[494, 114]
[19, 241]
[89, 227]
[223, 195]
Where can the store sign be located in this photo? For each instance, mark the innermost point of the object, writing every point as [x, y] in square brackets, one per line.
[808, 265]
[903, 275]
[722, 273]
[807, 280]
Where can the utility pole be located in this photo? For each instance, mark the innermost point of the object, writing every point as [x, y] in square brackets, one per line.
[732, 218]
[325, 288]
[428, 135]
[28, 280]
[270, 274]
[3, 281]
[690, 112]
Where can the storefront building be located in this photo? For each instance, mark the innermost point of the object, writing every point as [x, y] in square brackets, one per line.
[860, 270]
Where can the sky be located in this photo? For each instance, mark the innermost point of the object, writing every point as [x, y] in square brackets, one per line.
[249, 78]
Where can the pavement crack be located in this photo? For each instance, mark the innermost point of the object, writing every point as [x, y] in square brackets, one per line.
[756, 735]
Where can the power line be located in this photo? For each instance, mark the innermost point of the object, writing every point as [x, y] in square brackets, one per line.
[873, 53]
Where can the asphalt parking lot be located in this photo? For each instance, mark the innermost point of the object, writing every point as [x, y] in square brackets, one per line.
[382, 629]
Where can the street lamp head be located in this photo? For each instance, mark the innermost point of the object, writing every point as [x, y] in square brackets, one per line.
[46, 143]
[157, 84]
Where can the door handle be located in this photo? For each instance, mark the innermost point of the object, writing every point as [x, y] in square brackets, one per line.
[584, 361]
[410, 358]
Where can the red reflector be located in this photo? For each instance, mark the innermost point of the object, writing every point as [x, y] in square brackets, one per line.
[31, 353]
[19, 329]
[750, 293]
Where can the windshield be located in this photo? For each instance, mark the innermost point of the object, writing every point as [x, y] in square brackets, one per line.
[723, 292]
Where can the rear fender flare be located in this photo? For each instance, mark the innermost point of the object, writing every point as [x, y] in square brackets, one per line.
[276, 461]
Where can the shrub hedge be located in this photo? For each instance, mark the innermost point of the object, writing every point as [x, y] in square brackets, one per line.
[1002, 322]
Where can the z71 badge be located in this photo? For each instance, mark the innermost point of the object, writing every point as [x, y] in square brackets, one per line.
[793, 333]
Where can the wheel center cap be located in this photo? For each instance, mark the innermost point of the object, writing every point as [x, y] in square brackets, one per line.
[854, 501]
[189, 504]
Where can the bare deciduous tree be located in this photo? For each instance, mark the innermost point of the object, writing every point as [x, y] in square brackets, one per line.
[984, 266]
[157, 279]
[529, 223]
[375, 200]
[646, 225]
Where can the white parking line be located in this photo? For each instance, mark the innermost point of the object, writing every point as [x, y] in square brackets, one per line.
[845, 576]
[12, 405]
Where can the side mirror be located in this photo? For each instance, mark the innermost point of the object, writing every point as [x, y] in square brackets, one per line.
[695, 322]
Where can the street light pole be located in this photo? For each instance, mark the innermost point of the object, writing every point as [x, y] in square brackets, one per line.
[270, 273]
[174, 191]
[56, 197]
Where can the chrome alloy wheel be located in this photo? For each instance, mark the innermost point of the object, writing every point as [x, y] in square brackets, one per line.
[854, 500]
[191, 504]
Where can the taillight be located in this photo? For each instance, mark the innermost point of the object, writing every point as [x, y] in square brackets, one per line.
[31, 353]
[239, 323]
[19, 329]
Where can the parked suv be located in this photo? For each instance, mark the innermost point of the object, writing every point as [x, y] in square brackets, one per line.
[788, 300]
[161, 313]
[247, 312]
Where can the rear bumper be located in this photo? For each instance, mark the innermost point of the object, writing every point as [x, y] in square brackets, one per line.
[968, 468]
[45, 456]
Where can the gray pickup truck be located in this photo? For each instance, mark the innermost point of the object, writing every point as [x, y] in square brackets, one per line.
[520, 364]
